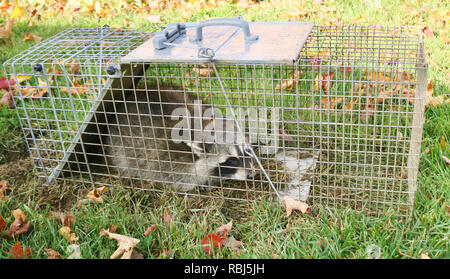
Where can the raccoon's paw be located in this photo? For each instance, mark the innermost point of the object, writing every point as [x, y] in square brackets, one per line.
[184, 187]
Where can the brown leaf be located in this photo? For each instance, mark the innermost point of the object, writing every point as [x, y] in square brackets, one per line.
[4, 185]
[382, 96]
[113, 228]
[75, 67]
[292, 204]
[66, 232]
[432, 100]
[326, 82]
[7, 100]
[167, 218]
[68, 221]
[18, 226]
[427, 31]
[223, 230]
[376, 76]
[149, 230]
[52, 254]
[126, 244]
[94, 196]
[206, 72]
[6, 30]
[29, 37]
[447, 210]
[18, 213]
[232, 243]
[64, 219]
[442, 142]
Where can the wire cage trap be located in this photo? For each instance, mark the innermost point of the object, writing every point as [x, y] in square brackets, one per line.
[230, 109]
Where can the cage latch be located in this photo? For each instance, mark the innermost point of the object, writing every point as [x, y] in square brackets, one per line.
[168, 35]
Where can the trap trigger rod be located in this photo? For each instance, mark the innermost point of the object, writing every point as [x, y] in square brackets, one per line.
[248, 148]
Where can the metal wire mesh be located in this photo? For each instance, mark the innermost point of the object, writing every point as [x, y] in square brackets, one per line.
[341, 126]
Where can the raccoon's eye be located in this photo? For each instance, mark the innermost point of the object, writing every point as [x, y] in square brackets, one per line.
[232, 162]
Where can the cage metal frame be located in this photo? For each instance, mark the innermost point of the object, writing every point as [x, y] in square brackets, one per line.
[332, 114]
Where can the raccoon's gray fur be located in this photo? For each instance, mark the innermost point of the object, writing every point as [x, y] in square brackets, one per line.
[139, 144]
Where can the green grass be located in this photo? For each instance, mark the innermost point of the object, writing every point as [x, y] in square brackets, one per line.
[260, 225]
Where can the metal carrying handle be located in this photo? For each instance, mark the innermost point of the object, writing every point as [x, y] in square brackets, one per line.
[238, 22]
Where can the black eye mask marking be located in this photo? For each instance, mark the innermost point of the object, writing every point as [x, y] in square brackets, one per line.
[228, 168]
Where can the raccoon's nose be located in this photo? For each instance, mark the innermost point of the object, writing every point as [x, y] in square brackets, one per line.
[249, 176]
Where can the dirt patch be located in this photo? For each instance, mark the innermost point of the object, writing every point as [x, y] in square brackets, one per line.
[16, 172]
[27, 187]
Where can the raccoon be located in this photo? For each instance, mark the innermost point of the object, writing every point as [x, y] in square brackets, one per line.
[139, 143]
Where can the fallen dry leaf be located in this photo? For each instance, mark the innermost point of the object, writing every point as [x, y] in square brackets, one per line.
[18, 226]
[223, 230]
[167, 217]
[17, 12]
[4, 185]
[232, 243]
[376, 76]
[6, 30]
[206, 72]
[17, 252]
[94, 196]
[7, 100]
[126, 244]
[21, 78]
[210, 241]
[70, 236]
[5, 83]
[447, 160]
[18, 213]
[30, 37]
[427, 31]
[292, 204]
[52, 254]
[113, 228]
[443, 142]
[326, 82]
[2, 223]
[424, 256]
[77, 89]
[287, 84]
[432, 100]
[149, 230]
[75, 67]
[382, 96]
[74, 251]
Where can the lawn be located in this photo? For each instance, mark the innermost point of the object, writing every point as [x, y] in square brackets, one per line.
[180, 222]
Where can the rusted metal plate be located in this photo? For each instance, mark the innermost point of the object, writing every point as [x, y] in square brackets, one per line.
[278, 42]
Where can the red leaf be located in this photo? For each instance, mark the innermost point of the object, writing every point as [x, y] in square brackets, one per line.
[68, 221]
[167, 218]
[427, 31]
[17, 252]
[4, 83]
[149, 230]
[326, 82]
[209, 241]
[2, 223]
[7, 99]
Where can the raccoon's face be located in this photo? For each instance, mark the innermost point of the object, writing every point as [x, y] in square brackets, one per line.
[223, 161]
